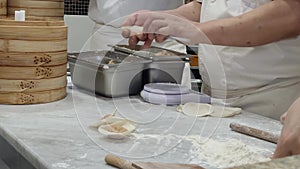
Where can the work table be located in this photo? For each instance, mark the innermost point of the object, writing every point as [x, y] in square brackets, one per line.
[57, 135]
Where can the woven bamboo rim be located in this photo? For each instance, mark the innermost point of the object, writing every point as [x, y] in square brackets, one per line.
[32, 46]
[33, 97]
[47, 33]
[3, 7]
[36, 4]
[37, 12]
[39, 18]
[7, 86]
[11, 21]
[34, 73]
[33, 59]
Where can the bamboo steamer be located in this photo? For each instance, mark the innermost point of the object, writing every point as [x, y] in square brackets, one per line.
[32, 37]
[31, 23]
[7, 86]
[33, 61]
[32, 97]
[38, 9]
[25, 73]
[33, 43]
[3, 8]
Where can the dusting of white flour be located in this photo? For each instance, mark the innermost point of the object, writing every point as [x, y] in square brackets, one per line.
[221, 154]
[215, 153]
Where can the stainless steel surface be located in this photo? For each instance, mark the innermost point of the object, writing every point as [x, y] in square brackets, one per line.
[166, 66]
[126, 76]
[152, 53]
[110, 74]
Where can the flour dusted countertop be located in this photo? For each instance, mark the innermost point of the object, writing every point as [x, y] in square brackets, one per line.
[57, 135]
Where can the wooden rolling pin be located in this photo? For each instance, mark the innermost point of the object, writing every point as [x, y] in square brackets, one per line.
[264, 135]
[125, 164]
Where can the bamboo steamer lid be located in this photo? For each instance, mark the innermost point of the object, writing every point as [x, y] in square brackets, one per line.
[25, 73]
[31, 37]
[32, 46]
[3, 8]
[33, 32]
[32, 97]
[33, 43]
[38, 9]
[7, 86]
[7, 21]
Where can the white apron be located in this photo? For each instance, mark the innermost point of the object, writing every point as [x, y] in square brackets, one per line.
[263, 80]
[109, 14]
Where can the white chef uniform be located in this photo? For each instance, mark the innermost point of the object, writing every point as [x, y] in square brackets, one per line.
[264, 80]
[112, 13]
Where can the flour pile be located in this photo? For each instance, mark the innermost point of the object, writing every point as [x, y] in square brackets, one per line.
[200, 150]
[223, 154]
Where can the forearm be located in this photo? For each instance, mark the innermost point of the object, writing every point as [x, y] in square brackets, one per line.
[274, 21]
[190, 11]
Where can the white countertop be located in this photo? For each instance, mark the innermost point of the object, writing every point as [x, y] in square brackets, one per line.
[57, 135]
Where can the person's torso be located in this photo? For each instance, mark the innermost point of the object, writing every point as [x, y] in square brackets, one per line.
[105, 11]
[245, 67]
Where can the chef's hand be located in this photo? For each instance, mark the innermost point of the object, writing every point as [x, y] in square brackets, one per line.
[289, 141]
[158, 26]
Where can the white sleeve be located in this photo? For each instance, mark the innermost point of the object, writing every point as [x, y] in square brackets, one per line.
[199, 1]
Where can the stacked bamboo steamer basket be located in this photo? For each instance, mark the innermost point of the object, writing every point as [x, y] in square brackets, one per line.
[3, 8]
[33, 59]
[37, 9]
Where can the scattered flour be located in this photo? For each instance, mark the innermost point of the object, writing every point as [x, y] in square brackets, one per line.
[224, 154]
[61, 165]
[215, 153]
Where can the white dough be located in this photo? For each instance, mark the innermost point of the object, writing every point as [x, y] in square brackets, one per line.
[200, 110]
[133, 29]
[117, 128]
[195, 109]
[220, 111]
[114, 127]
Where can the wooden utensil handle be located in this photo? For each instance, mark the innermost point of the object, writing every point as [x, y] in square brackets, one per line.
[118, 162]
[254, 132]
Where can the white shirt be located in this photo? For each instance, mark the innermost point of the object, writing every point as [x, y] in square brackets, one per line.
[245, 67]
[112, 13]
[105, 11]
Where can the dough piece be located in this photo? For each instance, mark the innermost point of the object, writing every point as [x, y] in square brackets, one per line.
[200, 110]
[220, 111]
[134, 29]
[195, 109]
[117, 128]
[101, 120]
[114, 127]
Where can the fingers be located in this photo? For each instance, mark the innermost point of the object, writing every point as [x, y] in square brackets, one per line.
[283, 117]
[137, 18]
[151, 22]
[282, 150]
[126, 33]
[133, 41]
[160, 38]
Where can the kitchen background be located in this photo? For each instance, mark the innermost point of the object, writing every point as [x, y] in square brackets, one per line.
[76, 18]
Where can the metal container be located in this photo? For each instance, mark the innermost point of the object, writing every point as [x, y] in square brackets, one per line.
[108, 73]
[165, 66]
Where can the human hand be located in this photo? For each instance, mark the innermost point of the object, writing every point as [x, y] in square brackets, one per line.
[289, 141]
[158, 26]
[283, 117]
